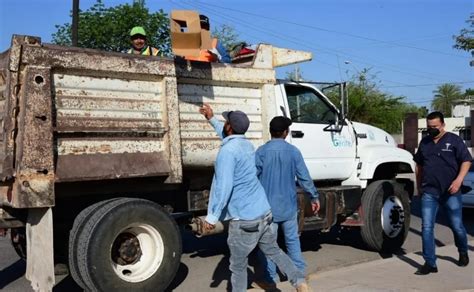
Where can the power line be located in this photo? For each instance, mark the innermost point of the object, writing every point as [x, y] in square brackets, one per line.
[266, 32]
[334, 31]
[305, 44]
[329, 51]
[432, 84]
[382, 45]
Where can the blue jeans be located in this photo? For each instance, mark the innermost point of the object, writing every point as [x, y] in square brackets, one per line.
[452, 205]
[293, 248]
[244, 236]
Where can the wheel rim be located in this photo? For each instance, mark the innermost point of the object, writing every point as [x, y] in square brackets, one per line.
[137, 253]
[393, 216]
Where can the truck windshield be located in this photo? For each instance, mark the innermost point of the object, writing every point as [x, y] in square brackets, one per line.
[306, 106]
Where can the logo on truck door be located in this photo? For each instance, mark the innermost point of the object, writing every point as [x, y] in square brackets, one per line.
[341, 141]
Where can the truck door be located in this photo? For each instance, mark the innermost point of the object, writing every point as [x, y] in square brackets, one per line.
[328, 154]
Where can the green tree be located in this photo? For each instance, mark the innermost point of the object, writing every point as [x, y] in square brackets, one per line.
[368, 104]
[465, 39]
[422, 112]
[107, 28]
[226, 35]
[469, 92]
[295, 74]
[444, 96]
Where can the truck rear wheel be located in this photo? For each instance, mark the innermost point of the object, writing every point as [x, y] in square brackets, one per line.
[386, 213]
[77, 227]
[128, 245]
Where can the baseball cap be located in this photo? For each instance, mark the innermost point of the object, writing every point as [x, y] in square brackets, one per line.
[279, 124]
[137, 30]
[238, 120]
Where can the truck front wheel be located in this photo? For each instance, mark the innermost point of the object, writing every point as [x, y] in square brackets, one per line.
[128, 245]
[386, 214]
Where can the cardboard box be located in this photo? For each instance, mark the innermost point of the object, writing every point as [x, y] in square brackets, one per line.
[187, 37]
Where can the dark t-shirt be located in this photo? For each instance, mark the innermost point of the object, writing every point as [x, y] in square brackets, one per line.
[441, 162]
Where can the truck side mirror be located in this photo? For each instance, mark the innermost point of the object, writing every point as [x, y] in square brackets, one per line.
[336, 126]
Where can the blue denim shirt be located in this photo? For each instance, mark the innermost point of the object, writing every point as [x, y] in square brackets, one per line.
[278, 164]
[236, 192]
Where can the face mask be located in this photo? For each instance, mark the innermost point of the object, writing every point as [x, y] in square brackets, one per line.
[433, 132]
[224, 134]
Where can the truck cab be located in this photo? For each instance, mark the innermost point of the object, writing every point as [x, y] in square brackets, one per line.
[333, 147]
[325, 139]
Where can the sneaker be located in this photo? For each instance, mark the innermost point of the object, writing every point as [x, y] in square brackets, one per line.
[426, 269]
[463, 259]
[303, 287]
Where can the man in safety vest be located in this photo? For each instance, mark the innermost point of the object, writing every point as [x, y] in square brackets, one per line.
[139, 45]
[217, 54]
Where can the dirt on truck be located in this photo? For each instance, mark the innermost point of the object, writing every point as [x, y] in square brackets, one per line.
[104, 155]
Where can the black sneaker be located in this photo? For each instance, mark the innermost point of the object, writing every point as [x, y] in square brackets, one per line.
[426, 269]
[463, 259]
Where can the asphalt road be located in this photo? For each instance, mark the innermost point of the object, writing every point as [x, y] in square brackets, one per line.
[205, 262]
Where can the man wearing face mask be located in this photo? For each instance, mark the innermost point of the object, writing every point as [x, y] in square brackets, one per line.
[442, 161]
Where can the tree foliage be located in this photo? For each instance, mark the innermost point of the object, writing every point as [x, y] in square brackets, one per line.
[107, 28]
[368, 104]
[296, 74]
[444, 96]
[469, 92]
[465, 39]
[226, 35]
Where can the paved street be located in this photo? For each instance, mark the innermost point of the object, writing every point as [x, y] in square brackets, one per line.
[395, 274]
[204, 265]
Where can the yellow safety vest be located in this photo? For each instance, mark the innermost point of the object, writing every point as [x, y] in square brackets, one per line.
[148, 51]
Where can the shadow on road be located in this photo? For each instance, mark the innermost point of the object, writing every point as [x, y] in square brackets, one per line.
[312, 240]
[67, 285]
[446, 258]
[438, 242]
[181, 275]
[409, 261]
[12, 273]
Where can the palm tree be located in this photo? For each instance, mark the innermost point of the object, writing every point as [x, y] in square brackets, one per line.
[444, 96]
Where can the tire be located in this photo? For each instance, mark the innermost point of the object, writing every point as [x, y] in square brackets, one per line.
[386, 214]
[76, 230]
[128, 245]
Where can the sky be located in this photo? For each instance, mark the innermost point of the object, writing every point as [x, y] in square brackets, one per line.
[407, 45]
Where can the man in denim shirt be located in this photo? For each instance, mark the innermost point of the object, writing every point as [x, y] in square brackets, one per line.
[238, 196]
[278, 164]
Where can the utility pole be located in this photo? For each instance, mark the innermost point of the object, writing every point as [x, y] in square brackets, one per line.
[297, 73]
[75, 22]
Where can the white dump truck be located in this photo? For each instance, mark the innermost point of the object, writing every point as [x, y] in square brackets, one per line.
[104, 155]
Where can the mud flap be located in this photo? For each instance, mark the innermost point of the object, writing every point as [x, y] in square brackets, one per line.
[40, 253]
